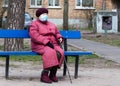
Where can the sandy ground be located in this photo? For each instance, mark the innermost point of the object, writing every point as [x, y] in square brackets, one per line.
[28, 74]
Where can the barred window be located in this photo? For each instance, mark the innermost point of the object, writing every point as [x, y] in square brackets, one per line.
[84, 3]
[53, 3]
[5, 3]
[35, 3]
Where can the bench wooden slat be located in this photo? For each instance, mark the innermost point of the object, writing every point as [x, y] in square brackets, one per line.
[14, 34]
[79, 53]
[68, 53]
[72, 34]
[24, 34]
[17, 53]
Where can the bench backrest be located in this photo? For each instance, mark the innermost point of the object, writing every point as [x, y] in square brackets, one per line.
[68, 34]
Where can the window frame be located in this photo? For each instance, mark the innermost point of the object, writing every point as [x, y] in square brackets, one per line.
[5, 4]
[82, 7]
[35, 6]
[54, 5]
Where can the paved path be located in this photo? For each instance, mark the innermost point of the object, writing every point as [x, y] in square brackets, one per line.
[100, 49]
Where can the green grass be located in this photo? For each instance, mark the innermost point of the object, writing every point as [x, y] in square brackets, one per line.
[25, 58]
[37, 59]
[115, 42]
[74, 28]
[1, 47]
[82, 58]
[110, 41]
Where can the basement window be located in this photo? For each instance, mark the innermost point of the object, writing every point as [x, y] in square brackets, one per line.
[107, 22]
[5, 3]
[53, 4]
[35, 3]
[84, 4]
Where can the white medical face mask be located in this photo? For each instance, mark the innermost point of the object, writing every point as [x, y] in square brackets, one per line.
[43, 17]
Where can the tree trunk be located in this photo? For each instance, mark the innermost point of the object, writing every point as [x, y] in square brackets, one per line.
[116, 4]
[15, 20]
[118, 10]
[103, 4]
[2, 11]
[65, 15]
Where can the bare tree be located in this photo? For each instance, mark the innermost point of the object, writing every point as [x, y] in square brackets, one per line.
[103, 5]
[88, 13]
[15, 20]
[1, 4]
[2, 11]
[89, 16]
[65, 15]
[116, 4]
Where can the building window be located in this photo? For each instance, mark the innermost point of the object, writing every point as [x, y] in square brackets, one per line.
[5, 3]
[84, 4]
[53, 3]
[35, 3]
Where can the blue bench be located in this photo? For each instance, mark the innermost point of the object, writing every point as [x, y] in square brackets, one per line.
[71, 34]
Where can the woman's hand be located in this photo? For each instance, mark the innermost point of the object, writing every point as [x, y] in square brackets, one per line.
[60, 40]
[50, 45]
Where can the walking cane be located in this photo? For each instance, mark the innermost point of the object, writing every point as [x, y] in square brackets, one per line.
[66, 64]
[68, 70]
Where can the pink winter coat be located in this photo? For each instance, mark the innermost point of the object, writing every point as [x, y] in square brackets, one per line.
[41, 34]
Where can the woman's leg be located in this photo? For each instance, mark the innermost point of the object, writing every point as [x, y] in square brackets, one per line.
[60, 54]
[50, 60]
[45, 76]
[53, 72]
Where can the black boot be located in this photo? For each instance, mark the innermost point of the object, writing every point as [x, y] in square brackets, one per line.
[52, 75]
[44, 77]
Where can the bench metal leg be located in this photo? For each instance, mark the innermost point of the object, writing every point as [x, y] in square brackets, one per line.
[76, 67]
[7, 67]
[64, 67]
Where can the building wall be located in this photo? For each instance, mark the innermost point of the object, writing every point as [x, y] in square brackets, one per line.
[77, 17]
[53, 12]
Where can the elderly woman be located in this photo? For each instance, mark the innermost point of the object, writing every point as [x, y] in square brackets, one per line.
[44, 40]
